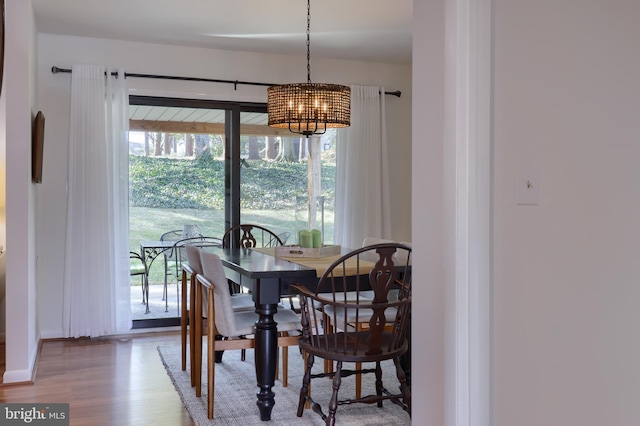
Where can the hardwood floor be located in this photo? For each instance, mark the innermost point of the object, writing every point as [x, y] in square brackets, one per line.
[106, 381]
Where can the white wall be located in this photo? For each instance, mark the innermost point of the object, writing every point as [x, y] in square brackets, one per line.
[565, 292]
[3, 207]
[428, 198]
[19, 93]
[566, 272]
[53, 100]
[3, 166]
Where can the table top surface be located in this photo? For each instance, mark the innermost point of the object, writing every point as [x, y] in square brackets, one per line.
[255, 264]
[262, 262]
[321, 264]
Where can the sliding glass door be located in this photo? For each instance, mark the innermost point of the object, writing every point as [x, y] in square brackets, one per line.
[214, 165]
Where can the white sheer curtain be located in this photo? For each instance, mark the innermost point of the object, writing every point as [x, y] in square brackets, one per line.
[96, 271]
[362, 206]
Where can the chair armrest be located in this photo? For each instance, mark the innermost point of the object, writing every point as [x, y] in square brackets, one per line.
[302, 290]
[188, 269]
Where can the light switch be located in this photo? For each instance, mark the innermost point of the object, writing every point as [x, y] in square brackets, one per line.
[527, 187]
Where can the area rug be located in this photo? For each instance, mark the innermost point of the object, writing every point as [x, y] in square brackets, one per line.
[235, 398]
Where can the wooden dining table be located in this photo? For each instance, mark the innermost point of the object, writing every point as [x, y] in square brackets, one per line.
[268, 277]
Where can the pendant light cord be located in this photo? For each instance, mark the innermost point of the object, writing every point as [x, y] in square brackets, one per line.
[308, 41]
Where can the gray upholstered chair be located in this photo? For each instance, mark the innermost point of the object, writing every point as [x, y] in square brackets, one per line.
[190, 270]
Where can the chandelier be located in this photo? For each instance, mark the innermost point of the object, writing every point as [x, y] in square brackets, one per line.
[309, 108]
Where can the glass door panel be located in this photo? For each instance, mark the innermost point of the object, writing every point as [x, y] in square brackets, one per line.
[274, 176]
[176, 183]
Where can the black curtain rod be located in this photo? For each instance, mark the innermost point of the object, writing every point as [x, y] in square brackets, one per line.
[56, 70]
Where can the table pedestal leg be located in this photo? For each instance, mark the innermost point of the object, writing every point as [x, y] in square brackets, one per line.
[266, 351]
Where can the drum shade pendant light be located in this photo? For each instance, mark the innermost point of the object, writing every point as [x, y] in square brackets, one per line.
[309, 108]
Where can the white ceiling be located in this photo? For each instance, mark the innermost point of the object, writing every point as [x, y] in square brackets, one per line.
[368, 30]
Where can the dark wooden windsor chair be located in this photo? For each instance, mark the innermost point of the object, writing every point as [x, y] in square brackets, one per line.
[340, 326]
[247, 235]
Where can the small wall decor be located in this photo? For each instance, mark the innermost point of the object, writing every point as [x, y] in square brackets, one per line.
[37, 145]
